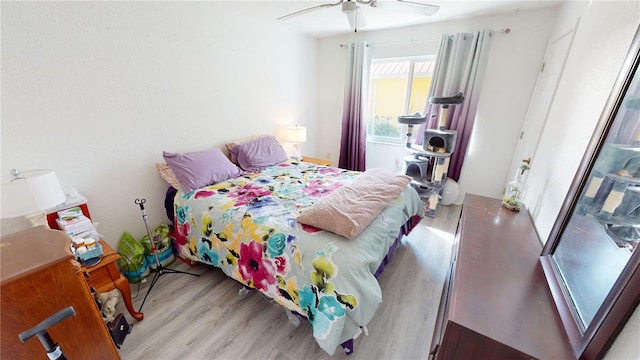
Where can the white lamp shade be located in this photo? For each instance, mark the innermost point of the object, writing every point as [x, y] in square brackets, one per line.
[31, 192]
[297, 134]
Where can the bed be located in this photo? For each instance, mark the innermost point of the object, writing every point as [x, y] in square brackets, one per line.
[249, 226]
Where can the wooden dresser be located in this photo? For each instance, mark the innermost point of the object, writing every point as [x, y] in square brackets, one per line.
[496, 303]
[38, 278]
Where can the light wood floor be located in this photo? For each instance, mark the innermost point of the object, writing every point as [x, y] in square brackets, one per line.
[187, 317]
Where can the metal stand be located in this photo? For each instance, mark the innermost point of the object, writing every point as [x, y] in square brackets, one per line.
[160, 270]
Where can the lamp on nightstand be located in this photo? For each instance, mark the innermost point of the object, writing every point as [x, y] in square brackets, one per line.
[29, 193]
[296, 135]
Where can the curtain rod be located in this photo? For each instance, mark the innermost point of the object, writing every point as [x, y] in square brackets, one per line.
[412, 41]
[396, 42]
[501, 31]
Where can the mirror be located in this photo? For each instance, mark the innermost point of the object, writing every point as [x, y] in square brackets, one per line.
[591, 259]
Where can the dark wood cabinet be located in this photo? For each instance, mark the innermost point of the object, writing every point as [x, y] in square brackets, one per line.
[496, 303]
[40, 277]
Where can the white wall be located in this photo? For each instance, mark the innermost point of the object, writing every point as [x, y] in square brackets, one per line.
[96, 91]
[603, 37]
[591, 69]
[626, 345]
[510, 77]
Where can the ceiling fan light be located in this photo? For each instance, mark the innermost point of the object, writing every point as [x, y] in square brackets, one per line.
[349, 7]
[356, 19]
[351, 16]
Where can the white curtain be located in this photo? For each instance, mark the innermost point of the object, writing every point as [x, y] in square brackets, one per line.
[353, 142]
[459, 67]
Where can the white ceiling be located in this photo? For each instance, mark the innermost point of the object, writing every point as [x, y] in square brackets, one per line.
[330, 21]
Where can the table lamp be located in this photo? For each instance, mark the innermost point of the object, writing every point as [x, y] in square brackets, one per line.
[296, 135]
[29, 193]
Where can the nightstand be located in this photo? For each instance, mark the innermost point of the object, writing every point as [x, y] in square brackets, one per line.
[316, 161]
[105, 276]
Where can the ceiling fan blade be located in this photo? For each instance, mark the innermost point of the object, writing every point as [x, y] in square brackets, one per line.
[356, 18]
[304, 11]
[426, 9]
[410, 6]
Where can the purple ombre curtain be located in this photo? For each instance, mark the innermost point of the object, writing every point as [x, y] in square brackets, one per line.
[460, 65]
[353, 142]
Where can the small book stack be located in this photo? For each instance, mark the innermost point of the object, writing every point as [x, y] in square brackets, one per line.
[73, 222]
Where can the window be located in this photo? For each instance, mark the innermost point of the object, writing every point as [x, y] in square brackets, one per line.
[396, 87]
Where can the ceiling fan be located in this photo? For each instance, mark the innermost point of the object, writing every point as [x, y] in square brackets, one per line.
[354, 14]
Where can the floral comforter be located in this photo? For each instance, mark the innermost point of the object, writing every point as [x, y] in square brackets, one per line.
[246, 226]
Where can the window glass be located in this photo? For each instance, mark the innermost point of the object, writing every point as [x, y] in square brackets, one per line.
[421, 82]
[396, 87]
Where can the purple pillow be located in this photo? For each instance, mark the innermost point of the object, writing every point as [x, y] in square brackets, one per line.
[258, 154]
[197, 169]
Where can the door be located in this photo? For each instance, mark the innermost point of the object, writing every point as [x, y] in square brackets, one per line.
[541, 101]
